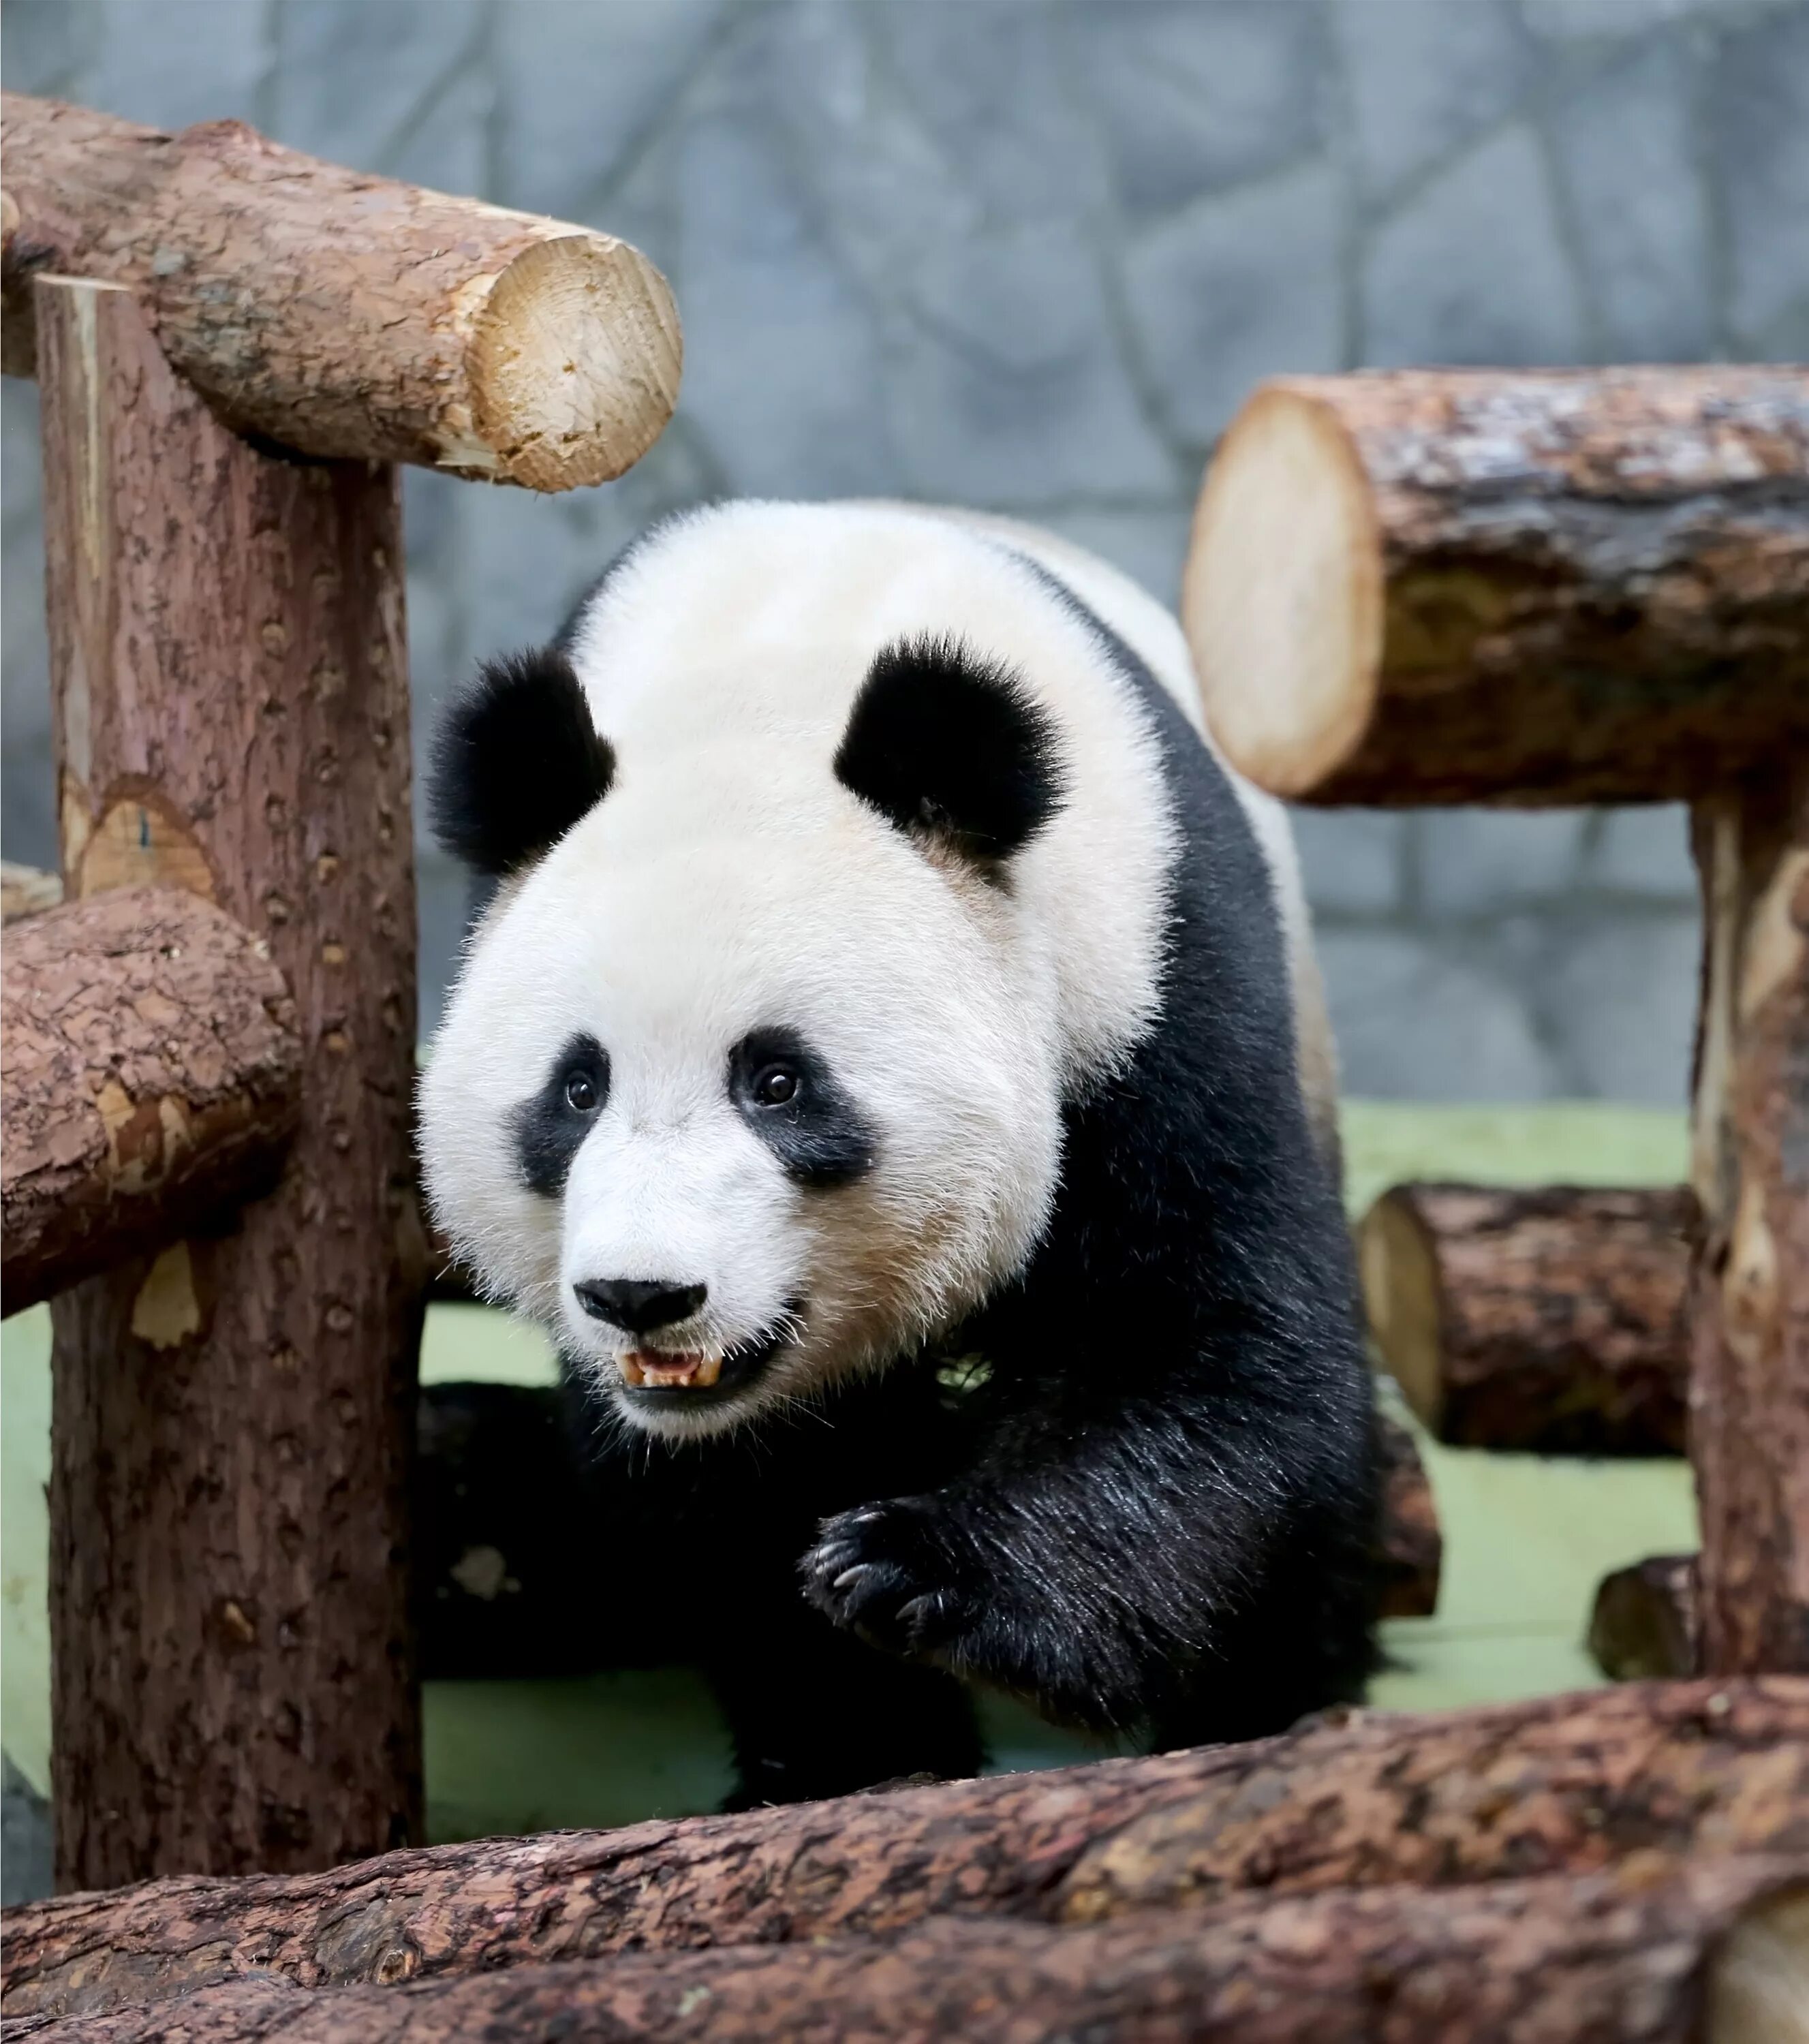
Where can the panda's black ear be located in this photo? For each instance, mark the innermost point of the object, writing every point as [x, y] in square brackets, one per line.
[517, 762]
[949, 746]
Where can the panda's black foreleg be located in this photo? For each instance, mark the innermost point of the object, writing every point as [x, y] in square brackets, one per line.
[1185, 1573]
[813, 1710]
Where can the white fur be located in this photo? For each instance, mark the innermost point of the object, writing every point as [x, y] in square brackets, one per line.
[728, 881]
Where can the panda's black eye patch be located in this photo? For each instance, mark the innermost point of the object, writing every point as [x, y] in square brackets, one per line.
[550, 1128]
[792, 1100]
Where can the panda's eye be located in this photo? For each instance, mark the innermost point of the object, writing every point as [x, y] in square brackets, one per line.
[581, 1093]
[777, 1086]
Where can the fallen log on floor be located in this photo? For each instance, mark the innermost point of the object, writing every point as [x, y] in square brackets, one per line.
[152, 1077]
[342, 314]
[1553, 1320]
[1714, 1953]
[1643, 1625]
[1410, 1551]
[1415, 586]
[1564, 1785]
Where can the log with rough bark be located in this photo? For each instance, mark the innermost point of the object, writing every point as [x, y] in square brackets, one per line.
[1524, 586]
[1410, 1551]
[1554, 1320]
[1749, 1346]
[231, 1668]
[152, 1079]
[1561, 1785]
[1716, 1953]
[1643, 1625]
[342, 314]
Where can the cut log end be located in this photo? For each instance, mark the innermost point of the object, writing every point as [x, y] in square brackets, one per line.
[1643, 1624]
[1282, 598]
[575, 360]
[1401, 1291]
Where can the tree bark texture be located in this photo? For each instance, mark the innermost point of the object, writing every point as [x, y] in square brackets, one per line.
[232, 1674]
[1411, 1552]
[152, 1076]
[1562, 1785]
[1418, 586]
[1643, 1626]
[342, 314]
[1554, 1320]
[1645, 1954]
[1749, 1346]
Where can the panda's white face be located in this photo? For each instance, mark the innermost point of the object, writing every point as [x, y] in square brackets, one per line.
[740, 1105]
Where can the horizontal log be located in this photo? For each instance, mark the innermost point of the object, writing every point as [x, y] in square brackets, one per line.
[1540, 587]
[1365, 1799]
[1410, 1551]
[1552, 1319]
[152, 1076]
[1643, 1626]
[1713, 1953]
[342, 314]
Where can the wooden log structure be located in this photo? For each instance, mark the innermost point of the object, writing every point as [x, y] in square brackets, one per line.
[1417, 586]
[1716, 1953]
[1643, 1623]
[1749, 1351]
[25, 891]
[1554, 1320]
[1527, 1815]
[152, 1078]
[231, 1669]
[341, 314]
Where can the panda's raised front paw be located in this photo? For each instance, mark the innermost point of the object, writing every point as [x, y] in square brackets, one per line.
[892, 1573]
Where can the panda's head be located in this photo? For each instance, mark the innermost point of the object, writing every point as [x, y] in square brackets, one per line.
[750, 1081]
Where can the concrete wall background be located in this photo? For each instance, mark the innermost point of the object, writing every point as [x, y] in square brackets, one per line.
[1029, 255]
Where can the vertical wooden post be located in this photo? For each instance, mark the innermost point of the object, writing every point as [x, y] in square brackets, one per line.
[232, 1684]
[1748, 1422]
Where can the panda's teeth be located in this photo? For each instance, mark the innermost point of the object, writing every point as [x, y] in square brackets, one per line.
[667, 1372]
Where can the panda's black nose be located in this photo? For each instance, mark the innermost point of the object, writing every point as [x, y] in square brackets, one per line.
[637, 1305]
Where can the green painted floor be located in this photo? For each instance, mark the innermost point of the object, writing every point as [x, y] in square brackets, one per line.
[1527, 1539]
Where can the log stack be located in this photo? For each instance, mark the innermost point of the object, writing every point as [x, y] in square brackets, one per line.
[1564, 586]
[235, 343]
[1627, 1867]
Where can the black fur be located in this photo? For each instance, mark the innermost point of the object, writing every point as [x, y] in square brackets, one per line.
[944, 742]
[517, 762]
[820, 1136]
[549, 1131]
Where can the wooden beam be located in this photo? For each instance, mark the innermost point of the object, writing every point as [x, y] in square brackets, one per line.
[1643, 1624]
[1749, 1349]
[344, 315]
[1450, 1800]
[152, 1080]
[1553, 1320]
[1418, 586]
[1714, 1953]
[231, 1671]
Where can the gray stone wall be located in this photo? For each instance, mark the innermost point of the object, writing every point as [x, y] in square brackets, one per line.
[1029, 255]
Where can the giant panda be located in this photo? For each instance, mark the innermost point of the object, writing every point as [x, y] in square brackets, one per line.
[890, 1062]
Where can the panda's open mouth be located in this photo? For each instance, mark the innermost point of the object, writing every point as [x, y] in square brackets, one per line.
[673, 1377]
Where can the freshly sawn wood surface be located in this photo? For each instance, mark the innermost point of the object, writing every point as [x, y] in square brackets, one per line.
[1554, 1319]
[232, 1422]
[1567, 1785]
[1526, 586]
[152, 1076]
[342, 314]
[1715, 1953]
